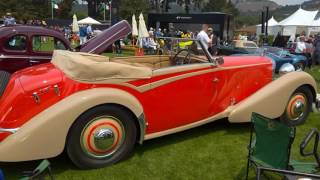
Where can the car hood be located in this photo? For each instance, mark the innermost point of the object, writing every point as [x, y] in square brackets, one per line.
[99, 43]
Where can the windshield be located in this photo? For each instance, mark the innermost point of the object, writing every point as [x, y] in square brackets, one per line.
[176, 48]
[276, 51]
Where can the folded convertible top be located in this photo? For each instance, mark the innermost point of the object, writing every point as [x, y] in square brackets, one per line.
[90, 67]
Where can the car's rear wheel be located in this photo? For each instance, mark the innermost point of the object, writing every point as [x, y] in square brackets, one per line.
[100, 137]
[298, 107]
[299, 66]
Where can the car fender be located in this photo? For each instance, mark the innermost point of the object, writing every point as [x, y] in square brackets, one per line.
[271, 100]
[45, 135]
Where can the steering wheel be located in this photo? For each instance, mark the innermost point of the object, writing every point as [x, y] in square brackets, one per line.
[185, 60]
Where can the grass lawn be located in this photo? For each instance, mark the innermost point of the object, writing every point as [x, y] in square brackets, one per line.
[213, 151]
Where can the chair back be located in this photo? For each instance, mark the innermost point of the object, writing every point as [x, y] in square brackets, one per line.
[273, 141]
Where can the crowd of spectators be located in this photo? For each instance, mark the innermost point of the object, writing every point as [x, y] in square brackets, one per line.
[157, 37]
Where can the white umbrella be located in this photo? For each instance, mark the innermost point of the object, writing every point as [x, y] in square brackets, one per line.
[134, 26]
[75, 26]
[88, 20]
[143, 32]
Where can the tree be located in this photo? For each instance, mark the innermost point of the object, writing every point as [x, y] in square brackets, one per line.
[35, 9]
[130, 7]
[65, 9]
[26, 9]
[221, 6]
[188, 3]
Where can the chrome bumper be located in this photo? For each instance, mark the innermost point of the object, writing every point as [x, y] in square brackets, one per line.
[11, 131]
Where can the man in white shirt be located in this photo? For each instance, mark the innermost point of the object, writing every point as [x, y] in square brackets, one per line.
[300, 46]
[203, 36]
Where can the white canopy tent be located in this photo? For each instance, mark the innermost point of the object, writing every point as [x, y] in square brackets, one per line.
[299, 18]
[88, 20]
[273, 27]
[300, 21]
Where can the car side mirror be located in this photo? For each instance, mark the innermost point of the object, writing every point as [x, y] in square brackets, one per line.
[219, 60]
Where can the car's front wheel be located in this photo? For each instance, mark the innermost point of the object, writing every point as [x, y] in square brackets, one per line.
[298, 107]
[100, 137]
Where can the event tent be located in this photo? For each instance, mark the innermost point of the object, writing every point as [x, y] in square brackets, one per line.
[273, 27]
[88, 20]
[299, 18]
[300, 21]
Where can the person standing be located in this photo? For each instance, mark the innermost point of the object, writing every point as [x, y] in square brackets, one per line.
[316, 52]
[214, 42]
[83, 34]
[89, 31]
[301, 46]
[203, 36]
[9, 20]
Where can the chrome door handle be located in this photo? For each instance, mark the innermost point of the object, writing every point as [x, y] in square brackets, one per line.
[2, 57]
[215, 80]
[34, 61]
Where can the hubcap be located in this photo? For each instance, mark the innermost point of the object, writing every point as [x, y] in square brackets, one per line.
[296, 107]
[102, 137]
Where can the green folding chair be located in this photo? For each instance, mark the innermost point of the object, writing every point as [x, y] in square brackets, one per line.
[270, 150]
[41, 172]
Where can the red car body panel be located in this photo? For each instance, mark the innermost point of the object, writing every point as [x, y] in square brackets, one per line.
[207, 94]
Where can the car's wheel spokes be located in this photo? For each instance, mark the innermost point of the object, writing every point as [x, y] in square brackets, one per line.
[102, 137]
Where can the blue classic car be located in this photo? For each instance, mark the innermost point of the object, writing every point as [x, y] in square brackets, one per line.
[280, 57]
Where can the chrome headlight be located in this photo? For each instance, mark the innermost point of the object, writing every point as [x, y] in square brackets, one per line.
[286, 68]
[273, 65]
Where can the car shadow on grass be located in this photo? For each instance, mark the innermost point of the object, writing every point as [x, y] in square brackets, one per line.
[61, 163]
[220, 125]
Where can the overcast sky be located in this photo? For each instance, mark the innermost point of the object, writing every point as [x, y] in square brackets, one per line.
[290, 2]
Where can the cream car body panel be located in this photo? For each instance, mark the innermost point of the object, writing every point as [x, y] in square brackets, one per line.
[45, 135]
[280, 90]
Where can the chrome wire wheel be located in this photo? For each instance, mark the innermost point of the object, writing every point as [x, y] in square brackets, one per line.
[102, 136]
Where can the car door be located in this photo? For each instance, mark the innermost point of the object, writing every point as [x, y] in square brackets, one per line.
[42, 47]
[14, 54]
[182, 95]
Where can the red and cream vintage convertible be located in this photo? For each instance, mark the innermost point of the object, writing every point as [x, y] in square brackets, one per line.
[97, 108]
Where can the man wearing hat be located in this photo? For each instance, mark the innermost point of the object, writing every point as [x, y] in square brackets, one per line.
[9, 20]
